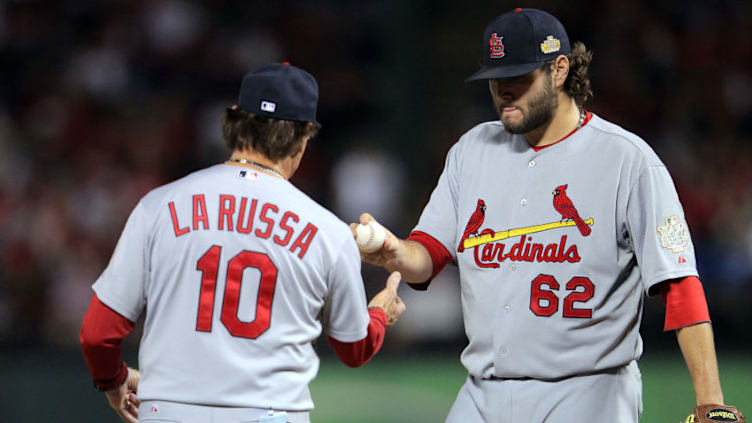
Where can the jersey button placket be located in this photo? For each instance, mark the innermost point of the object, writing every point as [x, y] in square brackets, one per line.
[530, 164]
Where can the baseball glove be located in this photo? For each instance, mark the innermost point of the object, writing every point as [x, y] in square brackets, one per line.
[712, 413]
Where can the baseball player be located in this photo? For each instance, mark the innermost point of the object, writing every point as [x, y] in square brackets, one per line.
[238, 272]
[560, 223]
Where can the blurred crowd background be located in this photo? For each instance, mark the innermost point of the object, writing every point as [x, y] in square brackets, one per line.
[102, 101]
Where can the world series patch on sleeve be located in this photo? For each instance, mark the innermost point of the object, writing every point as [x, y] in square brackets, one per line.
[712, 413]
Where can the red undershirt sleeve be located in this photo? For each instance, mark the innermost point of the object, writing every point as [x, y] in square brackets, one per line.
[685, 303]
[101, 339]
[358, 353]
[439, 256]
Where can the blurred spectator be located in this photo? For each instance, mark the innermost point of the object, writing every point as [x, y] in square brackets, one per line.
[365, 178]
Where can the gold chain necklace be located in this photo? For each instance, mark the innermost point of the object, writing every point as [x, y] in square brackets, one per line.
[257, 165]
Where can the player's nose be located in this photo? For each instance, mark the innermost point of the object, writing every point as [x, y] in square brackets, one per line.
[505, 97]
[502, 91]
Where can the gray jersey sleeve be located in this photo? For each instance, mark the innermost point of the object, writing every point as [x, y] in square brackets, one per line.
[439, 218]
[656, 223]
[345, 313]
[121, 285]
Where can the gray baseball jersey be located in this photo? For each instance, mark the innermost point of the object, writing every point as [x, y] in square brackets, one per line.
[555, 247]
[237, 271]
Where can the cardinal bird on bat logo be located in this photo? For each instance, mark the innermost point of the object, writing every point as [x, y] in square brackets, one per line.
[566, 208]
[476, 220]
[488, 251]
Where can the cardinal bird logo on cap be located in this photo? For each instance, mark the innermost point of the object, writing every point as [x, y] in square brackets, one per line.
[497, 47]
[564, 205]
[476, 220]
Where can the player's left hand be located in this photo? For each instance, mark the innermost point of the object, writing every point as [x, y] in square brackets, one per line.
[388, 300]
[123, 399]
[711, 413]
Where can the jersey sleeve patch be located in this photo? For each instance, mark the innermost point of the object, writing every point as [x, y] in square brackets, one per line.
[674, 235]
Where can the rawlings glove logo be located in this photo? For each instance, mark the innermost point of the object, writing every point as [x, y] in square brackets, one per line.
[721, 415]
[711, 413]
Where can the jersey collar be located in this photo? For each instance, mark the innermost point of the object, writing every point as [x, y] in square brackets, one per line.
[588, 115]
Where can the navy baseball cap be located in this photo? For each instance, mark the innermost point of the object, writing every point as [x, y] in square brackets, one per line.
[520, 41]
[280, 91]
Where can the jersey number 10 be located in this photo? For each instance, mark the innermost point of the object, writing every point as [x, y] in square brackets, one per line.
[208, 264]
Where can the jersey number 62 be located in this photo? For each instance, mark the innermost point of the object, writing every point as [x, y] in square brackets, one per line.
[545, 302]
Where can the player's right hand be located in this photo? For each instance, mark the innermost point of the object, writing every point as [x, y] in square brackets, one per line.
[388, 251]
[388, 300]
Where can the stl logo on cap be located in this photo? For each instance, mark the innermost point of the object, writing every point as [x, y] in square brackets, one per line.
[497, 47]
[550, 45]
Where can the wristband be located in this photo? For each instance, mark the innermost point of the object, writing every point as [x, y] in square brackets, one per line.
[110, 384]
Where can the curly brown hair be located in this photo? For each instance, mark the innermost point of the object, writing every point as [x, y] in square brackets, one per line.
[274, 138]
[577, 84]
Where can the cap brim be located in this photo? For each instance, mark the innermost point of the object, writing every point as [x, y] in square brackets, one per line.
[496, 72]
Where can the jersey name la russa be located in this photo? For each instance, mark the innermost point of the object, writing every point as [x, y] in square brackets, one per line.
[556, 247]
[237, 272]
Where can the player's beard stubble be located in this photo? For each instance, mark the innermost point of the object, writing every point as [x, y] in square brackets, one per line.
[540, 110]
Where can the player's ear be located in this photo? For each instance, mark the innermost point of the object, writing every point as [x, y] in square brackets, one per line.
[561, 70]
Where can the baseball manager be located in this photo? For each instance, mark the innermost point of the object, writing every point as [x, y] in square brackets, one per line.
[238, 273]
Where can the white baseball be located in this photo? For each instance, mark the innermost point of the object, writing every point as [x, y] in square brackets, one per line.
[370, 237]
